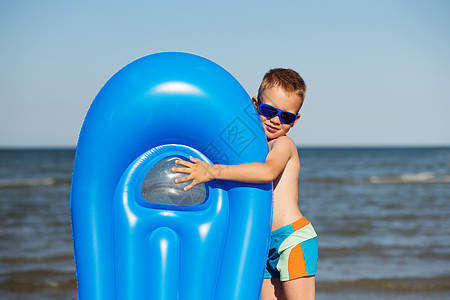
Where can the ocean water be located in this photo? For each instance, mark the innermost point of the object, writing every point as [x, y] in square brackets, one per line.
[382, 216]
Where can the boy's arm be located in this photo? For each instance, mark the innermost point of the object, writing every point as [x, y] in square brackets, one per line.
[199, 171]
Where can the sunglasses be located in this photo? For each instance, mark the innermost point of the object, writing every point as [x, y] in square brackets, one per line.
[270, 112]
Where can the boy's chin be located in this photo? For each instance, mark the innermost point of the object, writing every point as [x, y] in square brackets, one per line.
[272, 136]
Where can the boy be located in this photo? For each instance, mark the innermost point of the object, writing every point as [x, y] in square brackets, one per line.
[291, 265]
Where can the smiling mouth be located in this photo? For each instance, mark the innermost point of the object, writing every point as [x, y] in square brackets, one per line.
[271, 128]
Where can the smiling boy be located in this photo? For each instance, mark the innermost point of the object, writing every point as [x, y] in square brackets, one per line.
[292, 260]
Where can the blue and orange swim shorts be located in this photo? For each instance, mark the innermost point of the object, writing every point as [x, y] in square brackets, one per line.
[293, 251]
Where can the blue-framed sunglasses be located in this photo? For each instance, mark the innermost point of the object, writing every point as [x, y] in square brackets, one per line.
[270, 112]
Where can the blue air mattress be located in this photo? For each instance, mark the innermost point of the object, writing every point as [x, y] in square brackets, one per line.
[137, 234]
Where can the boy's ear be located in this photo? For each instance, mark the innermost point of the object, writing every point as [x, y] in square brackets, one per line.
[298, 117]
[255, 101]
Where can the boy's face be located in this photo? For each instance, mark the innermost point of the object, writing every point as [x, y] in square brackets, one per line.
[276, 97]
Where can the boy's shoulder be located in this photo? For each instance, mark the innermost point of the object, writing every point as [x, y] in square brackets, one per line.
[284, 142]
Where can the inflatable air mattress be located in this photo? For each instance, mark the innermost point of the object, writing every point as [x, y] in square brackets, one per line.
[137, 234]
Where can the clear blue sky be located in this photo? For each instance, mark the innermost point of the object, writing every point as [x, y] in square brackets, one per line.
[378, 72]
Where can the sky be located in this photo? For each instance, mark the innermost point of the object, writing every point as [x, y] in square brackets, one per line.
[377, 72]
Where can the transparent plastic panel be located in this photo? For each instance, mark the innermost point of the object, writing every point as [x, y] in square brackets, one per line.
[159, 186]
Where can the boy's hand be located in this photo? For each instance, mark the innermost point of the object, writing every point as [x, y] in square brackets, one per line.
[198, 171]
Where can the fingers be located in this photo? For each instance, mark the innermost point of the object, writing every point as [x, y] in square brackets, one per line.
[183, 163]
[190, 186]
[194, 159]
[180, 170]
[183, 179]
[188, 165]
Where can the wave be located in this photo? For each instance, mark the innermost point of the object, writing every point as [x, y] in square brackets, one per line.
[337, 180]
[412, 284]
[425, 177]
[31, 259]
[38, 280]
[386, 252]
[25, 182]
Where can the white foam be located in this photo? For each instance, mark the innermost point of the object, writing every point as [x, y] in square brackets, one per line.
[26, 182]
[424, 177]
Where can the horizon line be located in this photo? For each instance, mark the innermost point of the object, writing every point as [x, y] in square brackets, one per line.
[61, 147]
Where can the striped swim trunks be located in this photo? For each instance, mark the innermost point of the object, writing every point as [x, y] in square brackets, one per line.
[293, 251]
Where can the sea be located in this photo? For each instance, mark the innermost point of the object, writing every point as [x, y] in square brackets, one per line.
[382, 216]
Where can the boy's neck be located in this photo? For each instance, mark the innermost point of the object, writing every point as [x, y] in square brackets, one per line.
[271, 140]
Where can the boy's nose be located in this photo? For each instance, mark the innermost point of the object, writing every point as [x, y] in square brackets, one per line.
[276, 120]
